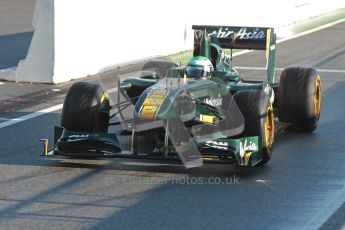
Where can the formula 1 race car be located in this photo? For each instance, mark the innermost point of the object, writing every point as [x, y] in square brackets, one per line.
[201, 112]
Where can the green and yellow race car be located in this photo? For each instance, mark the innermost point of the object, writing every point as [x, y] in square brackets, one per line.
[201, 112]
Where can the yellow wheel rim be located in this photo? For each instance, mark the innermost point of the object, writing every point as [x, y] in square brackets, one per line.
[269, 127]
[317, 96]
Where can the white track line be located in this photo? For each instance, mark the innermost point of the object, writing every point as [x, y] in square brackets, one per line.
[327, 211]
[38, 113]
[311, 31]
[57, 107]
[29, 116]
[279, 69]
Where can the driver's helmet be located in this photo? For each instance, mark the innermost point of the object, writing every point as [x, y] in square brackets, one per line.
[199, 67]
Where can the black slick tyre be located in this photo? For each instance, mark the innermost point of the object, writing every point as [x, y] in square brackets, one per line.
[258, 114]
[86, 108]
[299, 99]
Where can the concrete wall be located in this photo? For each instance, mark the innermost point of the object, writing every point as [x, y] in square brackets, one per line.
[38, 66]
[77, 38]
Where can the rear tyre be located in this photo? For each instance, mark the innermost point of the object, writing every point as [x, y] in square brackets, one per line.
[258, 114]
[160, 67]
[86, 108]
[299, 99]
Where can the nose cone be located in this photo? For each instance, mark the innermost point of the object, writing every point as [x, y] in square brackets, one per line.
[165, 103]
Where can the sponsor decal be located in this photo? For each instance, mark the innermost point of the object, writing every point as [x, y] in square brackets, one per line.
[217, 145]
[207, 118]
[152, 103]
[148, 112]
[243, 33]
[77, 137]
[247, 147]
[214, 102]
[162, 92]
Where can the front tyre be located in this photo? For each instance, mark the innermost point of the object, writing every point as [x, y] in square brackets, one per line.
[86, 108]
[257, 111]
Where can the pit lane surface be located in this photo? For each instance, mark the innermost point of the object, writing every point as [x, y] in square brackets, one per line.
[302, 187]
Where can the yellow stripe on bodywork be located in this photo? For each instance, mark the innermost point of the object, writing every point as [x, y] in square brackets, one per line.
[246, 158]
[153, 101]
[104, 97]
[45, 146]
[207, 118]
[148, 112]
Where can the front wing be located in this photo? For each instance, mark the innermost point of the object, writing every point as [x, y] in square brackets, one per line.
[244, 151]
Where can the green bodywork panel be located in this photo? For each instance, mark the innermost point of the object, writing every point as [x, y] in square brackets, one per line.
[271, 57]
[137, 82]
[238, 147]
[79, 141]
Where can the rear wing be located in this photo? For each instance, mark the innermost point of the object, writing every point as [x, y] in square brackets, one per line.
[241, 37]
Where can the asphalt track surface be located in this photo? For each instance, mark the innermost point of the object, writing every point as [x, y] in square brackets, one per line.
[303, 186]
